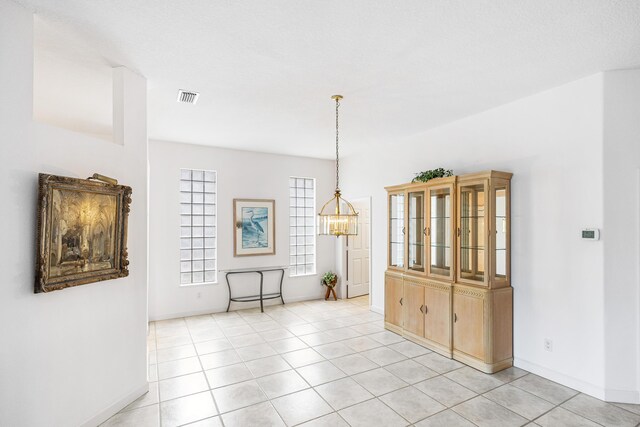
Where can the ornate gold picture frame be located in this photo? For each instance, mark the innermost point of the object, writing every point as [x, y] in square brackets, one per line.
[82, 232]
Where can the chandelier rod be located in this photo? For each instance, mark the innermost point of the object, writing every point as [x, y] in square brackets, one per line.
[337, 149]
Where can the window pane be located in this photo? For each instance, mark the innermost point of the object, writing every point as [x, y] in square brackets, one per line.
[198, 187]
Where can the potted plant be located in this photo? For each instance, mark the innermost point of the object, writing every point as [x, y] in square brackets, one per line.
[431, 174]
[329, 279]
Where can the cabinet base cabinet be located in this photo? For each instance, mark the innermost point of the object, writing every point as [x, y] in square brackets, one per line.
[426, 311]
[483, 327]
[467, 323]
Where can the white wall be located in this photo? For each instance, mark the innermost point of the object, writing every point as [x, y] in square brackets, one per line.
[77, 355]
[621, 234]
[240, 174]
[552, 142]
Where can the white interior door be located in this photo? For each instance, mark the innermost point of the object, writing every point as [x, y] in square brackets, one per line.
[358, 254]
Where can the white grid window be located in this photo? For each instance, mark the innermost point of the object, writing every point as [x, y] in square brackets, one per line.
[302, 233]
[197, 227]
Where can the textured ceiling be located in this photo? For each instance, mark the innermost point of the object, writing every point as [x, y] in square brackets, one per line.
[266, 69]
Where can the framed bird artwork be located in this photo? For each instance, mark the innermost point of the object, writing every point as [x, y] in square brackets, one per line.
[254, 227]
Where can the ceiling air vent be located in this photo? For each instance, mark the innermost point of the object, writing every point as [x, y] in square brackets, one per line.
[187, 96]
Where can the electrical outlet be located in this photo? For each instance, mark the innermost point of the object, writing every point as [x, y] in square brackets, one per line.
[548, 344]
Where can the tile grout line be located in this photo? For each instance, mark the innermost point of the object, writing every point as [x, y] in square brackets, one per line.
[215, 404]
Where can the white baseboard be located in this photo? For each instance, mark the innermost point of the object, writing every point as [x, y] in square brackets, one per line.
[608, 395]
[376, 309]
[234, 307]
[560, 378]
[622, 396]
[115, 407]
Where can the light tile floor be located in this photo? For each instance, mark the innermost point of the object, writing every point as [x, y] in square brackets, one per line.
[332, 363]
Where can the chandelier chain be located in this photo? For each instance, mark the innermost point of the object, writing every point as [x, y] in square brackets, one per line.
[337, 154]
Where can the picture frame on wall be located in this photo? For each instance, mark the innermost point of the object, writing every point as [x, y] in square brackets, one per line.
[254, 227]
[82, 232]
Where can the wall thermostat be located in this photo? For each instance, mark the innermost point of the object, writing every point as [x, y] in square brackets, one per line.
[591, 233]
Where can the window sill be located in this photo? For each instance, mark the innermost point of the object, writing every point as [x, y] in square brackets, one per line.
[189, 285]
[303, 275]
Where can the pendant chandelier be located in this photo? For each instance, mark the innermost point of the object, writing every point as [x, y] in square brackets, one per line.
[337, 217]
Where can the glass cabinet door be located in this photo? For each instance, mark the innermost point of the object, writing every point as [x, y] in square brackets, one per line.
[500, 201]
[416, 231]
[472, 232]
[440, 232]
[396, 230]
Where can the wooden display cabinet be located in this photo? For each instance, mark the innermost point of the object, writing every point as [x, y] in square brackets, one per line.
[447, 285]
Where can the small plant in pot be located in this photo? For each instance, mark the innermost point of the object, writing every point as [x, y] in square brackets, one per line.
[329, 279]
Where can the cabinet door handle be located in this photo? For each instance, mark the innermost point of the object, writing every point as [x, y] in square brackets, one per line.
[422, 309]
[458, 231]
[402, 230]
[425, 231]
[400, 301]
[426, 309]
[455, 317]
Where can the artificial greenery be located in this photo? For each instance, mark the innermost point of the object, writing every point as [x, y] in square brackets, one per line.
[329, 277]
[430, 174]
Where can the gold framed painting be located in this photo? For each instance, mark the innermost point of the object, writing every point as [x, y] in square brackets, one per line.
[82, 232]
[254, 227]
